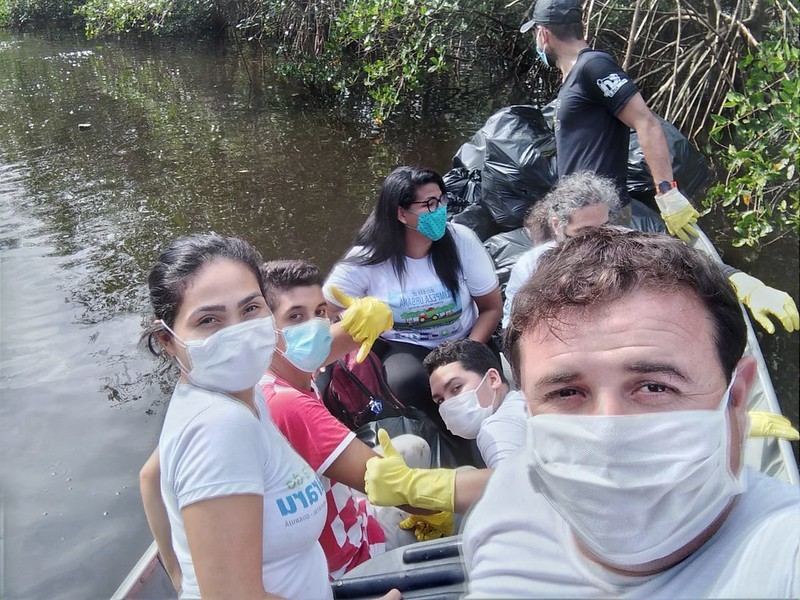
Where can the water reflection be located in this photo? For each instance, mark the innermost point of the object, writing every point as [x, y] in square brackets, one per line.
[179, 143]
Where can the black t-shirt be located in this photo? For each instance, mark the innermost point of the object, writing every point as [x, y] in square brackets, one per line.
[589, 137]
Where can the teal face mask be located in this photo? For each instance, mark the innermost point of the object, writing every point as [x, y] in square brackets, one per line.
[543, 56]
[308, 344]
[433, 224]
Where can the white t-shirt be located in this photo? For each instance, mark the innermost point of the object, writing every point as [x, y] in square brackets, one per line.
[516, 545]
[520, 273]
[504, 432]
[212, 445]
[424, 311]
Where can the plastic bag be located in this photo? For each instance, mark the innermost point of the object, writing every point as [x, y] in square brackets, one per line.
[644, 218]
[464, 187]
[515, 154]
[443, 452]
[505, 250]
[478, 218]
[689, 167]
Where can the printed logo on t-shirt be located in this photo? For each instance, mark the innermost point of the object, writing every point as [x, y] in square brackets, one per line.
[306, 491]
[610, 85]
[426, 313]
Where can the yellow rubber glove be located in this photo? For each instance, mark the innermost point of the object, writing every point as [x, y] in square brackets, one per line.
[388, 481]
[678, 213]
[364, 320]
[766, 424]
[764, 301]
[430, 527]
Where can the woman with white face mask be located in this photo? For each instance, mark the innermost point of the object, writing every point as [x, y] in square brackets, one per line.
[244, 508]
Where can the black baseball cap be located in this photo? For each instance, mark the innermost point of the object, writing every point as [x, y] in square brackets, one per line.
[553, 12]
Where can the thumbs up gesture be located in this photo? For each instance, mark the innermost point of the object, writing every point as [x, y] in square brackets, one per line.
[389, 481]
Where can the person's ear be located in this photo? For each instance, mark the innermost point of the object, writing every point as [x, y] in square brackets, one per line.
[554, 227]
[746, 371]
[401, 215]
[495, 379]
[280, 343]
[543, 36]
[165, 339]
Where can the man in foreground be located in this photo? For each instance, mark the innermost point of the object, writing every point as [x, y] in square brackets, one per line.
[628, 348]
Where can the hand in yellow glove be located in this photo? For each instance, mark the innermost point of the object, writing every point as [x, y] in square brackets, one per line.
[430, 527]
[388, 481]
[364, 320]
[766, 424]
[678, 213]
[764, 301]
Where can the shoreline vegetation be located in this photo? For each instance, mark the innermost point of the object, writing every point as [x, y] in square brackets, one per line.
[726, 73]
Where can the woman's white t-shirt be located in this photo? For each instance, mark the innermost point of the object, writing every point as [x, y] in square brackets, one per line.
[424, 311]
[212, 445]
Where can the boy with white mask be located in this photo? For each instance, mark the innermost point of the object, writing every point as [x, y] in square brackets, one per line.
[628, 347]
[475, 400]
[468, 384]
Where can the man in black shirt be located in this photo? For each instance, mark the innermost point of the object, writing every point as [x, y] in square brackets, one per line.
[597, 106]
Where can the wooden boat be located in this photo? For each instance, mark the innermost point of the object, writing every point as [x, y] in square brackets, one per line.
[433, 569]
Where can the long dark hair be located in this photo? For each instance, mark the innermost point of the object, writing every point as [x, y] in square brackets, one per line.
[383, 236]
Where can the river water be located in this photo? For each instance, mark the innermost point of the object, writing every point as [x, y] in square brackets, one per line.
[178, 142]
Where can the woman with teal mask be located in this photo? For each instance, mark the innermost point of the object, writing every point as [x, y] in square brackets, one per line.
[435, 276]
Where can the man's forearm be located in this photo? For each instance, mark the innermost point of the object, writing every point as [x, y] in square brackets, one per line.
[469, 487]
[655, 149]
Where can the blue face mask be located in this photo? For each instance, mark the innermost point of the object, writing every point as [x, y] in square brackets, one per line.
[433, 224]
[308, 344]
[542, 54]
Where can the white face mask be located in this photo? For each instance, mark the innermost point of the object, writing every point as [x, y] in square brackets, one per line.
[463, 414]
[232, 359]
[634, 488]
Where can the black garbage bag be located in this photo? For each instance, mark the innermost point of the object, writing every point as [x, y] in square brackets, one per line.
[464, 188]
[515, 154]
[478, 218]
[549, 114]
[505, 249]
[644, 218]
[689, 166]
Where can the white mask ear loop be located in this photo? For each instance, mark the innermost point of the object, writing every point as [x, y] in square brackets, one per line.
[726, 397]
[180, 342]
[494, 392]
[725, 405]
